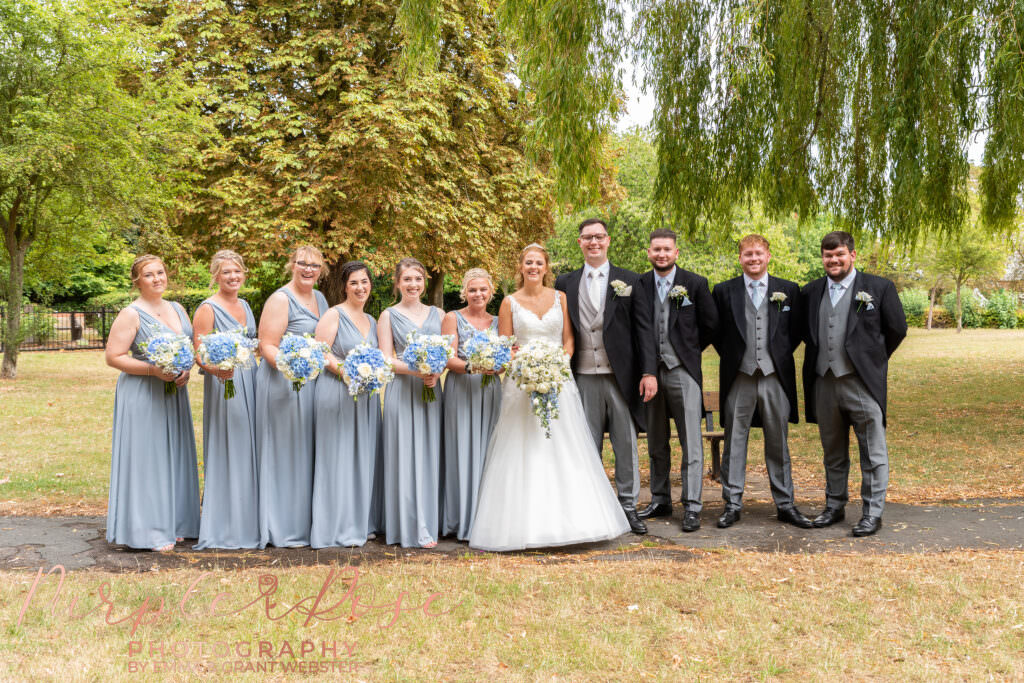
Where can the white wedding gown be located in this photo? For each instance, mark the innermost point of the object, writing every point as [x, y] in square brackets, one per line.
[537, 492]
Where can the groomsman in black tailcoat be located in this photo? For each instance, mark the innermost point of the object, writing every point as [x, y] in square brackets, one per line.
[855, 321]
[675, 321]
[599, 297]
[760, 325]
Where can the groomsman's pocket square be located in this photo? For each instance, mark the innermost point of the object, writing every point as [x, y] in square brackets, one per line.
[785, 308]
[869, 307]
[686, 302]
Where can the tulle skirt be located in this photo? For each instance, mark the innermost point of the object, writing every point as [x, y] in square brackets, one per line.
[538, 492]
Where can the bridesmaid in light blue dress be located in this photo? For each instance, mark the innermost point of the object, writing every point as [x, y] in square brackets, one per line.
[154, 481]
[347, 431]
[230, 504]
[411, 433]
[470, 410]
[284, 417]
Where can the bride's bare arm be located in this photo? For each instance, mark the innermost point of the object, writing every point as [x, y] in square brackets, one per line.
[568, 342]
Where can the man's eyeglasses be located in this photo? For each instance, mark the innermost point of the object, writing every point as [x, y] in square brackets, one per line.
[593, 238]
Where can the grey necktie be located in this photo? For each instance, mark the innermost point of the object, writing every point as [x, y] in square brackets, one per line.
[835, 292]
[662, 289]
[756, 294]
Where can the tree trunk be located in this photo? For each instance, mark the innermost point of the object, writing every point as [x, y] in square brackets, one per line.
[435, 290]
[332, 286]
[16, 287]
[959, 311]
[931, 306]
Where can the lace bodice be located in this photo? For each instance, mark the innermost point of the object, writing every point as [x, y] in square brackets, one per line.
[526, 326]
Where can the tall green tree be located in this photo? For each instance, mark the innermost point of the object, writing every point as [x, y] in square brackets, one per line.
[864, 109]
[85, 136]
[969, 256]
[328, 135]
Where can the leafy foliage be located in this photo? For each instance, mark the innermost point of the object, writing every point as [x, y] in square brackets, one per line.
[327, 137]
[87, 140]
[863, 109]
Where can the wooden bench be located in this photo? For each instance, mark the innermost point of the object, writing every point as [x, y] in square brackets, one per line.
[715, 439]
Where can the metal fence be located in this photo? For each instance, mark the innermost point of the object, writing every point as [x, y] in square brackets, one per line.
[43, 329]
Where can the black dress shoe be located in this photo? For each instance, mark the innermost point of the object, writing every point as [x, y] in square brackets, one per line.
[728, 518]
[794, 517]
[635, 525]
[828, 517]
[691, 521]
[655, 510]
[867, 525]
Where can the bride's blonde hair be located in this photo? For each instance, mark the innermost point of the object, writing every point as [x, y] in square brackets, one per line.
[548, 275]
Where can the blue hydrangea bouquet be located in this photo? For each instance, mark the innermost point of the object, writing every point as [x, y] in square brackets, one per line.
[485, 350]
[301, 358]
[228, 351]
[429, 354]
[172, 353]
[366, 371]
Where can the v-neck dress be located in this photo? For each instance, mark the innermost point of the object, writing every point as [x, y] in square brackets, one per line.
[230, 496]
[348, 454]
[284, 441]
[470, 412]
[154, 478]
[411, 437]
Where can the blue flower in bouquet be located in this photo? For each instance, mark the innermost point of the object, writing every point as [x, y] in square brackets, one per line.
[485, 350]
[541, 368]
[301, 358]
[366, 371]
[172, 353]
[428, 354]
[228, 351]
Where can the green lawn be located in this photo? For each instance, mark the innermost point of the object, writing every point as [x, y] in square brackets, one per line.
[956, 417]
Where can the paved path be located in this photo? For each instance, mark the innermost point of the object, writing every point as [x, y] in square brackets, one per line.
[79, 543]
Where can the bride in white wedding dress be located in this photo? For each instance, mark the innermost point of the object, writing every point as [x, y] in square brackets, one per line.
[537, 492]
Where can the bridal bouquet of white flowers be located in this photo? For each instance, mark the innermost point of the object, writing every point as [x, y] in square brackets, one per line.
[301, 358]
[228, 351]
[541, 368]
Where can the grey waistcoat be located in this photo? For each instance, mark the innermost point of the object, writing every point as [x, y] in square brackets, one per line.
[662, 311]
[755, 355]
[832, 334]
[591, 356]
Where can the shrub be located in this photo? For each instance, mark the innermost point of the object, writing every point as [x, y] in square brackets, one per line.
[972, 308]
[36, 326]
[1001, 310]
[915, 306]
[189, 298]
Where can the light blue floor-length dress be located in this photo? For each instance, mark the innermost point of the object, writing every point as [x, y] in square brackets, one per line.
[230, 496]
[284, 441]
[154, 477]
[411, 436]
[470, 412]
[347, 450]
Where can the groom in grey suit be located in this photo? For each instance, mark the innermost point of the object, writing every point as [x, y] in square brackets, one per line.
[599, 299]
[855, 321]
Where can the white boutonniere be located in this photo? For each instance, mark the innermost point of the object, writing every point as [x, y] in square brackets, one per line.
[621, 288]
[778, 298]
[679, 295]
[863, 298]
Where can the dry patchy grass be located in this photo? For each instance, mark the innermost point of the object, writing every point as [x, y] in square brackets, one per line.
[726, 615]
